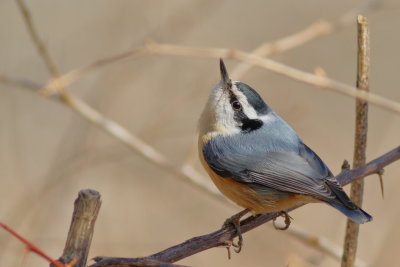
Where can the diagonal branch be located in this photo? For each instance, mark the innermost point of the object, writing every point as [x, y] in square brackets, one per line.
[26, 15]
[223, 236]
[153, 48]
[31, 247]
[313, 31]
[186, 174]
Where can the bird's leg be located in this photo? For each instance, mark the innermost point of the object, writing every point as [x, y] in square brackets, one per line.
[235, 221]
[287, 221]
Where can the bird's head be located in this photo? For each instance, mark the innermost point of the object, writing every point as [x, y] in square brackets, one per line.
[233, 107]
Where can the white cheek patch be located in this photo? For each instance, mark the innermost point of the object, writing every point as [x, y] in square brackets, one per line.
[223, 121]
[225, 118]
[224, 115]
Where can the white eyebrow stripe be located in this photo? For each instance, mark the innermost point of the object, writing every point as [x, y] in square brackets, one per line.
[248, 109]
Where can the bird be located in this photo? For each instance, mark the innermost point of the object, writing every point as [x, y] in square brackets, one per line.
[258, 161]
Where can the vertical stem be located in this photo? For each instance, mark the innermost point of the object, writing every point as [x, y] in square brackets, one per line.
[49, 62]
[86, 209]
[360, 144]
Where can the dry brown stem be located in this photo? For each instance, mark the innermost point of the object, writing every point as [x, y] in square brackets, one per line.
[320, 243]
[360, 140]
[315, 30]
[142, 262]
[41, 48]
[186, 173]
[223, 236]
[153, 48]
[80, 234]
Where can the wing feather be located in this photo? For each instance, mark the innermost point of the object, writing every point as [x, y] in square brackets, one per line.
[296, 170]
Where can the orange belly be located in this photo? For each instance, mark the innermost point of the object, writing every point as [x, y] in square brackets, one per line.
[249, 198]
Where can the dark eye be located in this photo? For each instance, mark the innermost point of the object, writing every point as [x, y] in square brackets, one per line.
[236, 105]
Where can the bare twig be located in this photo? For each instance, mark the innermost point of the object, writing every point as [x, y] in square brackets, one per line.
[320, 243]
[223, 236]
[373, 167]
[49, 62]
[380, 175]
[142, 262]
[154, 48]
[360, 144]
[31, 247]
[315, 30]
[99, 119]
[80, 234]
[187, 174]
[96, 117]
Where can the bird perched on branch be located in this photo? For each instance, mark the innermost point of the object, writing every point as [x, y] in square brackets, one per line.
[257, 160]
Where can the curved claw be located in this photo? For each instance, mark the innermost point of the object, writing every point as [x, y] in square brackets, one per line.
[238, 245]
[287, 221]
[235, 221]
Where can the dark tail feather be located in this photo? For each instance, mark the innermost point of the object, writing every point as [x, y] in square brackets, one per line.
[356, 215]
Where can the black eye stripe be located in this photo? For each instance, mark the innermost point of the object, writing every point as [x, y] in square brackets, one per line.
[232, 96]
[247, 125]
[251, 125]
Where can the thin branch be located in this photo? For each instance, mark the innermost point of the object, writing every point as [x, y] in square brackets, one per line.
[31, 247]
[223, 236]
[315, 30]
[187, 174]
[142, 262]
[320, 243]
[80, 234]
[360, 144]
[99, 119]
[49, 62]
[89, 113]
[153, 48]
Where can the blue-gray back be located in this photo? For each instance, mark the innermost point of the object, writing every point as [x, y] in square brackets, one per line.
[273, 156]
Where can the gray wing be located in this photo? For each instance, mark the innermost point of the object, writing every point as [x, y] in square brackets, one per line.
[295, 168]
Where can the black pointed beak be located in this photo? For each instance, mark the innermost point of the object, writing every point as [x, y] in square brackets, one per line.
[226, 81]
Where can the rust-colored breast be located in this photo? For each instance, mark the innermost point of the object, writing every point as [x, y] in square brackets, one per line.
[259, 201]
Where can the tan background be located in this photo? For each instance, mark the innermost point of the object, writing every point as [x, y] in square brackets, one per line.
[48, 152]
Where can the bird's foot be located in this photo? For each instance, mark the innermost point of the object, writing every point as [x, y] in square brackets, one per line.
[235, 221]
[288, 220]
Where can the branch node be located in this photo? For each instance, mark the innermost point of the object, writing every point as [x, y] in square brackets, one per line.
[345, 165]
[228, 248]
[380, 174]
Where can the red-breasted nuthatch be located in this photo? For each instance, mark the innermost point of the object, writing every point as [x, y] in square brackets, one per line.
[257, 160]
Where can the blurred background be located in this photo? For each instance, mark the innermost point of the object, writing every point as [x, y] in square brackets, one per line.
[49, 152]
